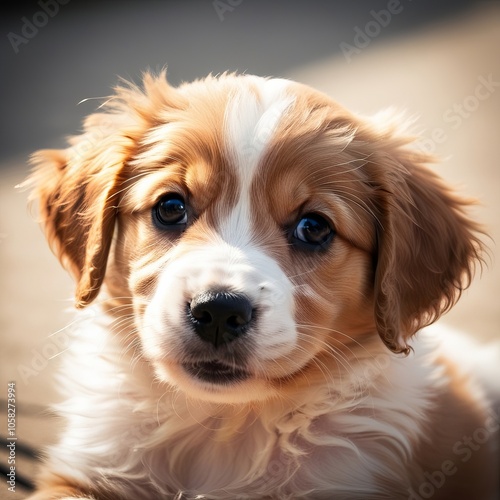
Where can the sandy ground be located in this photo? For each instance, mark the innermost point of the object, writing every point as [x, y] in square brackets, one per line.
[448, 74]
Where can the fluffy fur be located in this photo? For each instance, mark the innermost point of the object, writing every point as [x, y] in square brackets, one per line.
[338, 398]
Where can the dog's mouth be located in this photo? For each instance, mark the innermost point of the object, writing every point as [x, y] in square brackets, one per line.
[215, 372]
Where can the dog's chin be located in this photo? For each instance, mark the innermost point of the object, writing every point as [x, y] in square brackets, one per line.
[214, 382]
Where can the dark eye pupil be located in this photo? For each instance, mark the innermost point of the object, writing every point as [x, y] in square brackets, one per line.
[313, 230]
[171, 210]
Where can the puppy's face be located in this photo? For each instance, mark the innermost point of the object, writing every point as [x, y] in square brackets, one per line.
[262, 232]
[247, 243]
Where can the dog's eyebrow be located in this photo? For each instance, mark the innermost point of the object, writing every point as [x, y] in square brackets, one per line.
[147, 187]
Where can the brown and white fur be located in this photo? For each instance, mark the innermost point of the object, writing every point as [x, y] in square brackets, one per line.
[340, 243]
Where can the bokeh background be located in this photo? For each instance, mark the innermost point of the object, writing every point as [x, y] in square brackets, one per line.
[438, 60]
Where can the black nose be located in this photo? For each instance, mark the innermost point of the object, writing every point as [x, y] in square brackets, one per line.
[220, 317]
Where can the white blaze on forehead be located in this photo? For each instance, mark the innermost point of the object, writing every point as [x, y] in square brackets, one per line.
[252, 116]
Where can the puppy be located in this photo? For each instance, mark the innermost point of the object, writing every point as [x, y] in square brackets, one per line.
[260, 261]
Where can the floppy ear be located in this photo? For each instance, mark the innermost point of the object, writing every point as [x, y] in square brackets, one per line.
[76, 189]
[427, 246]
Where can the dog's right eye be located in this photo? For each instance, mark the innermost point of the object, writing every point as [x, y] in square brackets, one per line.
[312, 232]
[170, 211]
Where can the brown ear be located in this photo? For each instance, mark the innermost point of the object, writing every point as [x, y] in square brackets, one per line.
[427, 246]
[76, 189]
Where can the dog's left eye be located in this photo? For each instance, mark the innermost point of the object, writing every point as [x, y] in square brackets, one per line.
[312, 231]
[170, 211]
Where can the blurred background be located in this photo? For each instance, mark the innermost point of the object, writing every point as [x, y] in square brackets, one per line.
[438, 60]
